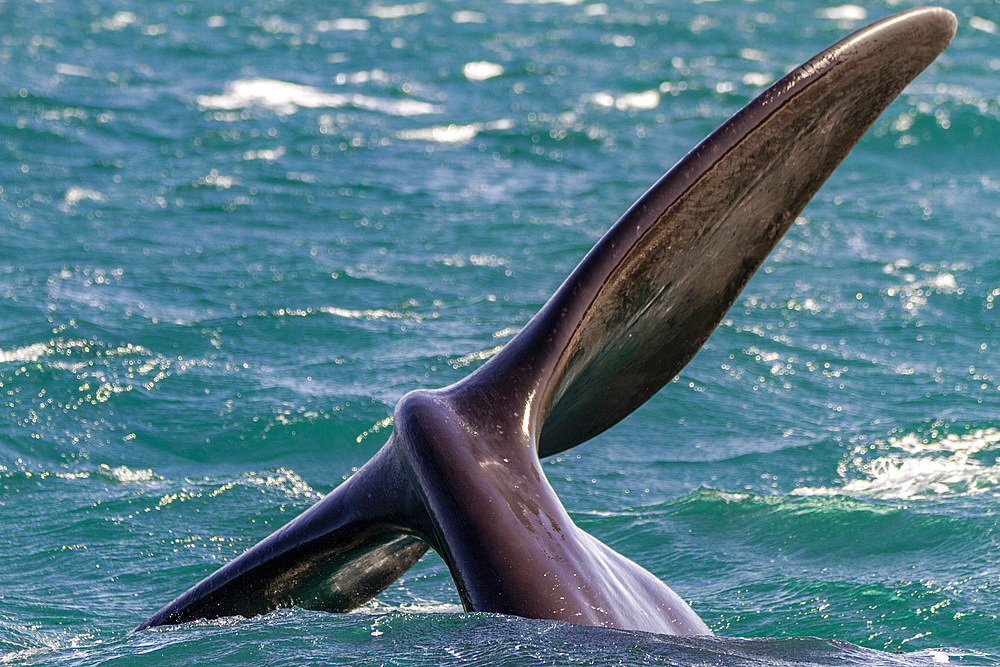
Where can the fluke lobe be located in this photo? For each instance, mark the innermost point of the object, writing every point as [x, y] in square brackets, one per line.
[461, 472]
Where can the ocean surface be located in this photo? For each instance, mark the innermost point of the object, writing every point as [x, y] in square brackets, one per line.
[234, 234]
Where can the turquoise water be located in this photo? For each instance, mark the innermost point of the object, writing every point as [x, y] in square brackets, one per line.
[234, 234]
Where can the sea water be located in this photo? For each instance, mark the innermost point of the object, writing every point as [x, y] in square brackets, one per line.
[234, 234]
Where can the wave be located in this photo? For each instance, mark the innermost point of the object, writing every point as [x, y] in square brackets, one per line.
[915, 468]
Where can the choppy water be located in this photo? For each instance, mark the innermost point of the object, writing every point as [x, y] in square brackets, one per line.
[235, 233]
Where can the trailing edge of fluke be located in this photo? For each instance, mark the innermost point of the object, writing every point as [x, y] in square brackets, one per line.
[461, 472]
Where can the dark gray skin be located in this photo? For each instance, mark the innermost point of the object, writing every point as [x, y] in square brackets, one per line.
[461, 471]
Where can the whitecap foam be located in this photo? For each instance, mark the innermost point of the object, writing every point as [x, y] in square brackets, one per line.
[67, 69]
[984, 25]
[467, 16]
[397, 11]
[32, 352]
[343, 24]
[286, 98]
[45, 642]
[757, 79]
[481, 70]
[642, 101]
[126, 475]
[118, 21]
[76, 194]
[442, 134]
[429, 608]
[368, 314]
[915, 468]
[843, 13]
[453, 134]
[380, 608]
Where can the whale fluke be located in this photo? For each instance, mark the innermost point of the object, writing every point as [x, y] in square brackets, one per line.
[460, 472]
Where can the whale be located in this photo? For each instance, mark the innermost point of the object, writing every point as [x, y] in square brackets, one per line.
[461, 471]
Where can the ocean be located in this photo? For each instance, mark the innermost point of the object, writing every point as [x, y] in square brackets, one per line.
[234, 234]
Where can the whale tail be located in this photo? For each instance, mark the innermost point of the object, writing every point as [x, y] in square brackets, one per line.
[461, 470]
[337, 555]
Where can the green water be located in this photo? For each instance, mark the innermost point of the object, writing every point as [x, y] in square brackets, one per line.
[234, 234]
